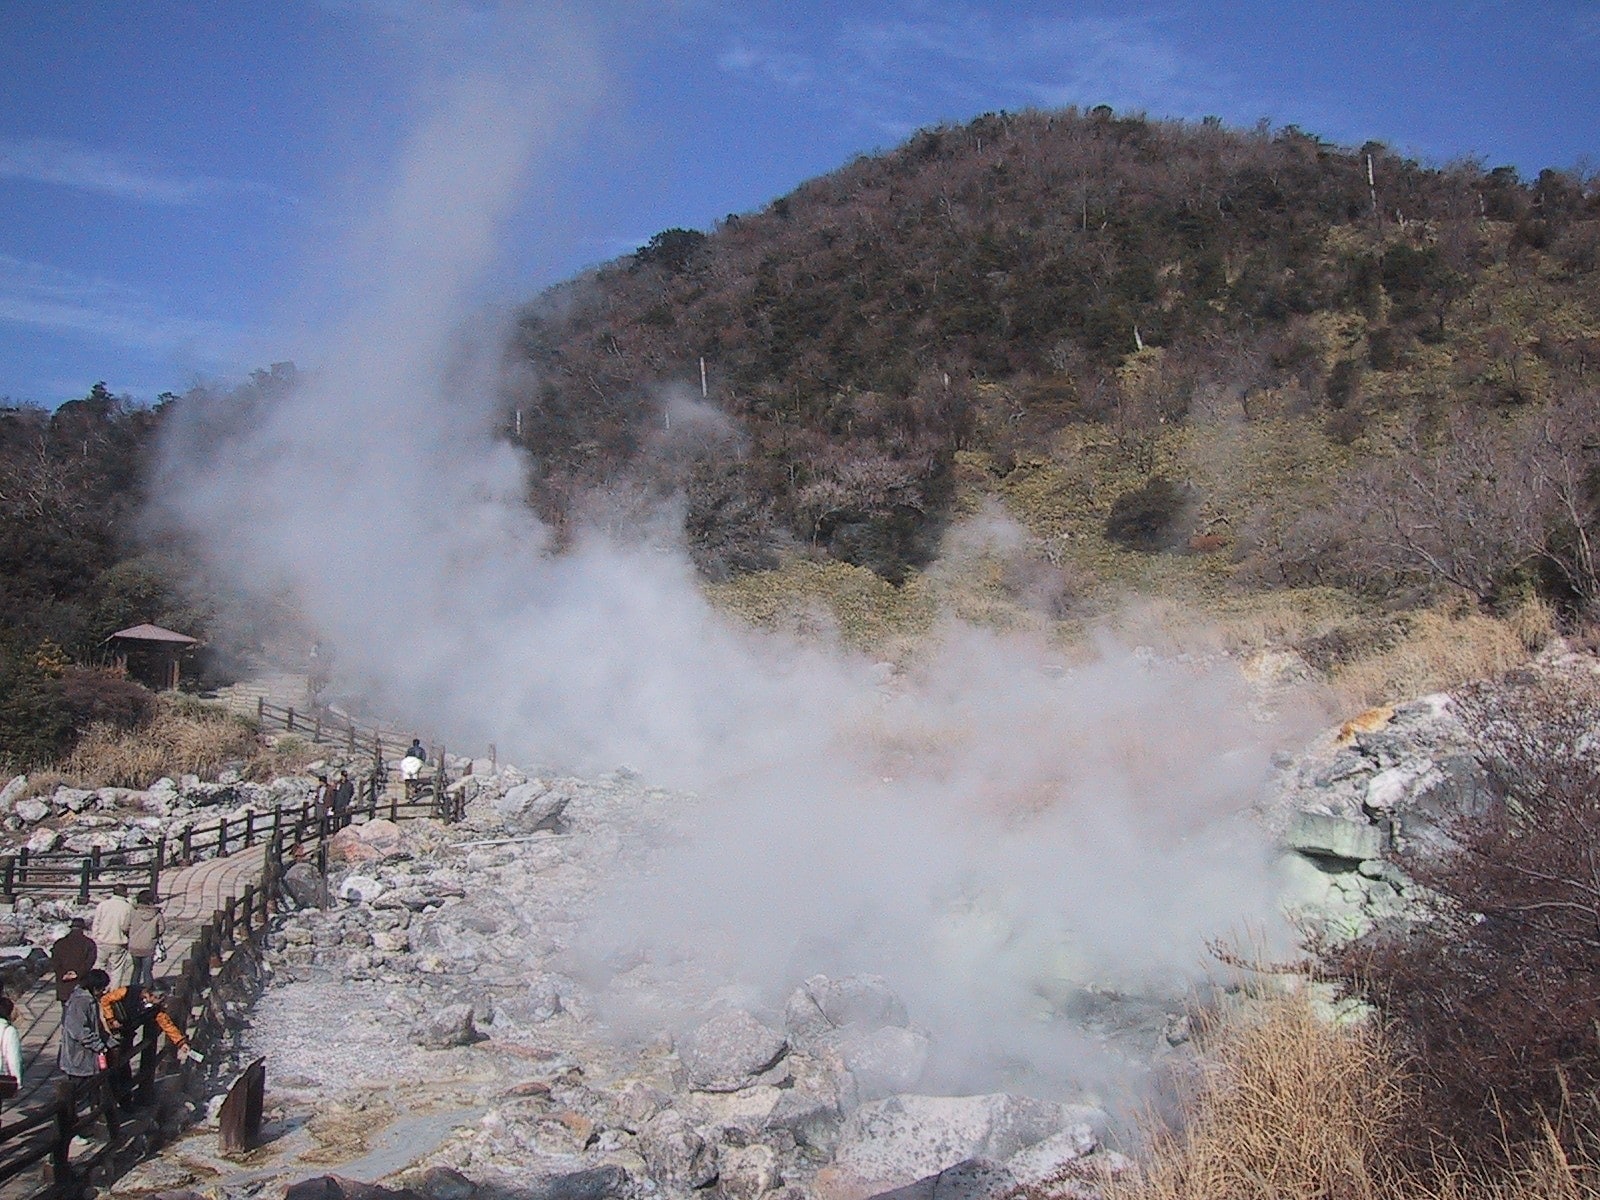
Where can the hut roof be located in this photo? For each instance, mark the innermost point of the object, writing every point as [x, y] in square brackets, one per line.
[154, 633]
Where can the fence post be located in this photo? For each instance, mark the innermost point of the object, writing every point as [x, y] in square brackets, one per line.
[94, 860]
[352, 743]
[83, 882]
[10, 878]
[228, 919]
[261, 710]
[222, 838]
[188, 843]
[317, 734]
[22, 864]
[155, 866]
[249, 828]
[290, 722]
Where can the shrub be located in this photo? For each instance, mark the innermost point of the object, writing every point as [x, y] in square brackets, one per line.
[178, 740]
[1148, 517]
[1284, 1105]
[96, 695]
[1493, 996]
[35, 719]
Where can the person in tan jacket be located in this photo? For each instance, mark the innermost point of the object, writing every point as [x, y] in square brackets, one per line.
[145, 928]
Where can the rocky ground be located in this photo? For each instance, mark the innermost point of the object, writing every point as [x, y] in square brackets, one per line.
[433, 1021]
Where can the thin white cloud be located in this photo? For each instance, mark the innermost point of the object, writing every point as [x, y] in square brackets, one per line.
[72, 165]
[48, 298]
[892, 71]
[748, 61]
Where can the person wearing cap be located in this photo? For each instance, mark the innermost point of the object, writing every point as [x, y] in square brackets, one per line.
[82, 1059]
[124, 1011]
[71, 956]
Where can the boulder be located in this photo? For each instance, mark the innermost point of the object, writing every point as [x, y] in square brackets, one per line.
[529, 807]
[1334, 837]
[443, 1028]
[881, 1062]
[305, 887]
[13, 789]
[729, 1051]
[41, 841]
[586, 1183]
[32, 809]
[970, 1179]
[676, 1155]
[903, 1140]
[361, 888]
[822, 1005]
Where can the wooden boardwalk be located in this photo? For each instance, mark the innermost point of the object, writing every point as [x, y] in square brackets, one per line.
[193, 895]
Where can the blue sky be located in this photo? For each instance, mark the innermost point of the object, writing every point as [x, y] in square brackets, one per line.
[177, 178]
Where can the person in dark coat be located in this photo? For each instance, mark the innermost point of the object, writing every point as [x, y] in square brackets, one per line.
[344, 794]
[72, 956]
[83, 1063]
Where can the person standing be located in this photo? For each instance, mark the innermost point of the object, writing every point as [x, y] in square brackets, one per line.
[83, 1063]
[343, 796]
[109, 929]
[71, 956]
[145, 927]
[10, 1052]
[124, 1011]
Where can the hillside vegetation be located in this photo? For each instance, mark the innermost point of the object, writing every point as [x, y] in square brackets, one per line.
[1150, 342]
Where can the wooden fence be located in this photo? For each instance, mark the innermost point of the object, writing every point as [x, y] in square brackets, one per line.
[221, 952]
[64, 873]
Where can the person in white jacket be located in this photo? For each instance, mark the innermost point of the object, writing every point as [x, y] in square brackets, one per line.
[10, 1043]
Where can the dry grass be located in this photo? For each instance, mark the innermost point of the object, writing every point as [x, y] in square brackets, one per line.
[1286, 1105]
[1290, 1107]
[184, 738]
[1442, 649]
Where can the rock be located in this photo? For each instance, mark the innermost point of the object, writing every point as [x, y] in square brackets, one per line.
[8, 794]
[305, 887]
[881, 1062]
[336, 1187]
[531, 806]
[74, 799]
[589, 1183]
[1041, 1161]
[32, 809]
[361, 888]
[971, 1179]
[42, 841]
[675, 1154]
[905, 1139]
[443, 1183]
[1333, 837]
[746, 1172]
[727, 1052]
[857, 1000]
[449, 1026]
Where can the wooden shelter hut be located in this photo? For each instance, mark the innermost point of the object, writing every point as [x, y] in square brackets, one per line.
[152, 655]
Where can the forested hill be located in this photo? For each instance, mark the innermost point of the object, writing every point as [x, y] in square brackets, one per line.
[962, 300]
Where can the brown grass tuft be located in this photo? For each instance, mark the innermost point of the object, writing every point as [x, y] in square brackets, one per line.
[1286, 1105]
[183, 738]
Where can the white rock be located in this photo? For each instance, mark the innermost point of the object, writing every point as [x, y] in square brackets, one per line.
[361, 888]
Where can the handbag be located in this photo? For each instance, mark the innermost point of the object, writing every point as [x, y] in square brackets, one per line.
[9, 1084]
[161, 950]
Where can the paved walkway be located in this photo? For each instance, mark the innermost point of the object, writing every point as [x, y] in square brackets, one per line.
[191, 896]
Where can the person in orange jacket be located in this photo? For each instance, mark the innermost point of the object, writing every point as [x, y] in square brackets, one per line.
[126, 1010]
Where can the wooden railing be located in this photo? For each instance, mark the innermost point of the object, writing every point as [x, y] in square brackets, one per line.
[62, 873]
[221, 951]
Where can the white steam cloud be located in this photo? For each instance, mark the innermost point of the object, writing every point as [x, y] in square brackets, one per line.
[981, 830]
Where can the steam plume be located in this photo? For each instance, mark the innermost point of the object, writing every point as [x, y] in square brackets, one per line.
[976, 831]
